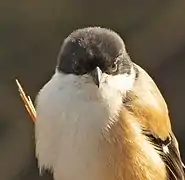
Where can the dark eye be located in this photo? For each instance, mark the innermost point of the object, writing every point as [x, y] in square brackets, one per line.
[114, 67]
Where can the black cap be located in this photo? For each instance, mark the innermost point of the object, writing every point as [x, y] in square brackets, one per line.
[85, 49]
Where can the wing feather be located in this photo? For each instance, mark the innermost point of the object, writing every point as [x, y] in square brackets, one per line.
[169, 152]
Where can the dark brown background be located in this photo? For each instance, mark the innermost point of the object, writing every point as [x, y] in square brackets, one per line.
[31, 33]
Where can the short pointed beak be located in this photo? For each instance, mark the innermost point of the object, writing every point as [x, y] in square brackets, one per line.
[96, 75]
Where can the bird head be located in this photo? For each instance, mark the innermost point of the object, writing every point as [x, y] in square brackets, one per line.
[97, 56]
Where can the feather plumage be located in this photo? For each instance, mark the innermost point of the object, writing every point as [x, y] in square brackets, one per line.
[148, 105]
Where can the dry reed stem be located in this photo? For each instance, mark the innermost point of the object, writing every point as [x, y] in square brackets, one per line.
[27, 102]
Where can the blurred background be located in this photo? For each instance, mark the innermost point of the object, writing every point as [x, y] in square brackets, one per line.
[31, 33]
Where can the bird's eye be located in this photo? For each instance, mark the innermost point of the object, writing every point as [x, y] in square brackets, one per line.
[114, 67]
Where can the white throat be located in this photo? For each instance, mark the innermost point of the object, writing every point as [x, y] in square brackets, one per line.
[72, 114]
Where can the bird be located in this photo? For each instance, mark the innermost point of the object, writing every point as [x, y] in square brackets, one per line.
[102, 117]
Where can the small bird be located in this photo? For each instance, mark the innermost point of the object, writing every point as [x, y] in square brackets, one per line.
[102, 117]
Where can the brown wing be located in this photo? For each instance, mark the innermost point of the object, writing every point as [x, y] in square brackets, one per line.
[146, 102]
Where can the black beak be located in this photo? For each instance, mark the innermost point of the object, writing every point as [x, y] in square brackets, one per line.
[96, 75]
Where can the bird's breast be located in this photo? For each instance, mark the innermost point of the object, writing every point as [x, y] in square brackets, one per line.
[78, 137]
[70, 132]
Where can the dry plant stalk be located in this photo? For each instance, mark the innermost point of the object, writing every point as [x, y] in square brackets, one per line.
[27, 102]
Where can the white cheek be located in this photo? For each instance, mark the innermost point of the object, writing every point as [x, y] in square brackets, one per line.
[112, 90]
[120, 82]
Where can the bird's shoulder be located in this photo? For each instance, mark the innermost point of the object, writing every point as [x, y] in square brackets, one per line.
[151, 112]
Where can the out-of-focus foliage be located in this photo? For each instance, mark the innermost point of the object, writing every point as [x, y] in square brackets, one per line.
[31, 33]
